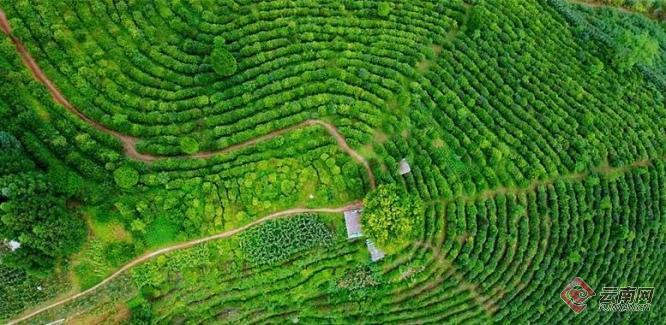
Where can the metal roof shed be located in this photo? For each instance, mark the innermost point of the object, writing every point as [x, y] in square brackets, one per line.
[404, 167]
[353, 223]
[375, 253]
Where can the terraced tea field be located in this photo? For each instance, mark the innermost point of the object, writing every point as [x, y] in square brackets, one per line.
[190, 161]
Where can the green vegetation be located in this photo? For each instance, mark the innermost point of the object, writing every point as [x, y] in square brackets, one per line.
[276, 240]
[126, 177]
[383, 9]
[222, 60]
[391, 216]
[189, 145]
[534, 132]
[654, 8]
[33, 212]
[636, 49]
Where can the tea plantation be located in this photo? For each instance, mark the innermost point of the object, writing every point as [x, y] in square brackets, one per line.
[190, 161]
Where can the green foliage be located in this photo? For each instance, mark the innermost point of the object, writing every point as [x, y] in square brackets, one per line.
[634, 49]
[222, 60]
[118, 253]
[477, 17]
[383, 9]
[20, 289]
[161, 231]
[13, 159]
[391, 215]
[653, 8]
[276, 240]
[358, 281]
[494, 97]
[33, 212]
[126, 177]
[189, 145]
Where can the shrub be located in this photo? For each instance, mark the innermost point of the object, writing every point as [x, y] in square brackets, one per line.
[189, 145]
[222, 60]
[126, 177]
[383, 9]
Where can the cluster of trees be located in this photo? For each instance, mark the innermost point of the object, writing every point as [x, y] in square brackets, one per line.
[634, 49]
[33, 211]
[391, 216]
[625, 41]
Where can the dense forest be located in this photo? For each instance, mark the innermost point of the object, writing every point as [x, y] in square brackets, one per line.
[189, 161]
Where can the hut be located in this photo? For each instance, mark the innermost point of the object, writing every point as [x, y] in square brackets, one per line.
[375, 253]
[404, 167]
[353, 223]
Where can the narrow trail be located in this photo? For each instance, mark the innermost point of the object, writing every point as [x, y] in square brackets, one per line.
[129, 145]
[532, 186]
[165, 250]
[129, 142]
[330, 128]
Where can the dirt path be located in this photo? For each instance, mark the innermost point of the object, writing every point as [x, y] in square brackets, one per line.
[147, 256]
[330, 128]
[129, 142]
[532, 186]
[129, 145]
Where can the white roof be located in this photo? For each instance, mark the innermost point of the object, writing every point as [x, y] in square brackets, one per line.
[375, 253]
[353, 223]
[404, 167]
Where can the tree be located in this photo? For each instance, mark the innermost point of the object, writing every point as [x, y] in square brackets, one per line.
[126, 177]
[390, 215]
[189, 145]
[222, 60]
[383, 9]
[635, 49]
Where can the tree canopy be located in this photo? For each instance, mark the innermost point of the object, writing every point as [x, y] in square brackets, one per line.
[635, 49]
[33, 212]
[126, 177]
[222, 60]
[390, 215]
[189, 145]
[383, 9]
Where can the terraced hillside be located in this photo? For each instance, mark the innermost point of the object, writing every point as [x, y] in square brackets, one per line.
[209, 147]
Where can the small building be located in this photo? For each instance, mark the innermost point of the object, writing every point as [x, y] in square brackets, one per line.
[353, 223]
[404, 167]
[375, 253]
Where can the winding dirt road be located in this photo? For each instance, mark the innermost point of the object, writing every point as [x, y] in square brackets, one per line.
[147, 256]
[129, 142]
